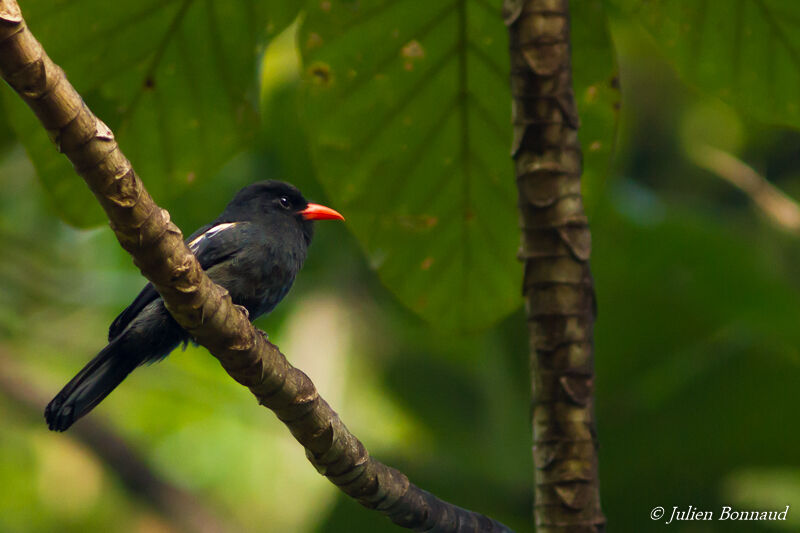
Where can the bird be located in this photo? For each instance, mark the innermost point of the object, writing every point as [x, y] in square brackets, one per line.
[254, 249]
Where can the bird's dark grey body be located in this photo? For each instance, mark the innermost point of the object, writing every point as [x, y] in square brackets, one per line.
[254, 249]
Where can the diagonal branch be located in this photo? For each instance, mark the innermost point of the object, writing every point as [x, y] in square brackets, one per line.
[203, 309]
[779, 207]
[558, 286]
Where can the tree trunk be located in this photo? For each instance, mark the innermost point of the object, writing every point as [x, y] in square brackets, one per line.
[557, 285]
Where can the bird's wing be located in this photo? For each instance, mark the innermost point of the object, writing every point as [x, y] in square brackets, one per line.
[217, 243]
[147, 295]
[211, 244]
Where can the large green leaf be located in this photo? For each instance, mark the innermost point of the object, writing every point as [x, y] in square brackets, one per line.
[408, 106]
[746, 52]
[174, 79]
[596, 84]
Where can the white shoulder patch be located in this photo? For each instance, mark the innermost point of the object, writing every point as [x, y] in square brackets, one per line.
[195, 243]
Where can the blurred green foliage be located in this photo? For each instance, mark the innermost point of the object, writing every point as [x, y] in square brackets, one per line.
[743, 52]
[158, 74]
[411, 142]
[697, 343]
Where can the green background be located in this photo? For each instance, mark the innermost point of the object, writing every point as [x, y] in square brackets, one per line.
[419, 345]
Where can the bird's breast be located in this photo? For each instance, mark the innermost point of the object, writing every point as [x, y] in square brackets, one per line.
[260, 281]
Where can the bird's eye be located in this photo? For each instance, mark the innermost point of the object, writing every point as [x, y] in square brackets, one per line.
[285, 203]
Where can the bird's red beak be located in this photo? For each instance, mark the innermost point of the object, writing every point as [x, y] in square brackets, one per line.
[320, 212]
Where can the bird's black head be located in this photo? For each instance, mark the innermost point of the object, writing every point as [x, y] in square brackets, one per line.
[279, 205]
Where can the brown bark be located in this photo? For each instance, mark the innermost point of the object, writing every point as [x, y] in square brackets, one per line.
[558, 286]
[204, 309]
[179, 508]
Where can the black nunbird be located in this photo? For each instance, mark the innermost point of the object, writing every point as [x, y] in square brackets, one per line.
[254, 249]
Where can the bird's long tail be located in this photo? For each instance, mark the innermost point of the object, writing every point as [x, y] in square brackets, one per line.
[93, 383]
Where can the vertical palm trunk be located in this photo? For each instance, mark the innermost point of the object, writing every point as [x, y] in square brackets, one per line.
[558, 286]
